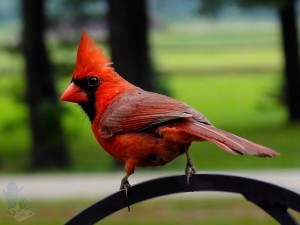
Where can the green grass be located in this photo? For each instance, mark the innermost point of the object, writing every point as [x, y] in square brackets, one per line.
[215, 49]
[218, 60]
[202, 211]
[192, 63]
[225, 98]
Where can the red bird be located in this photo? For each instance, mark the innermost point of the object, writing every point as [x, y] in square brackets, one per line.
[137, 127]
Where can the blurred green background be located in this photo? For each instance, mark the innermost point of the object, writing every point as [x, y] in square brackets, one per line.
[227, 62]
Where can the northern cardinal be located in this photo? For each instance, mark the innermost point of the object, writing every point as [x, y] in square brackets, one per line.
[137, 127]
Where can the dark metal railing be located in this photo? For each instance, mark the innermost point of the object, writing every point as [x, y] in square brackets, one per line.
[273, 199]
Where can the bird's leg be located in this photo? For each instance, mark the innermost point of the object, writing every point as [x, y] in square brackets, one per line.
[129, 168]
[125, 184]
[190, 168]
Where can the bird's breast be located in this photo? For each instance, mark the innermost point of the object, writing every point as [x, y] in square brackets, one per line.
[146, 148]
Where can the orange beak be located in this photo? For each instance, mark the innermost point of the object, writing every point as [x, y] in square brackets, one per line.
[73, 93]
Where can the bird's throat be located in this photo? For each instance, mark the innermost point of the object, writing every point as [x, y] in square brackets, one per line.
[89, 108]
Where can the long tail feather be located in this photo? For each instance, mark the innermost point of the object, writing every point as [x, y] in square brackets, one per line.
[227, 141]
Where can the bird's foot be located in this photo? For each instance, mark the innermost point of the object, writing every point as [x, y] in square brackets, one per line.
[189, 170]
[125, 186]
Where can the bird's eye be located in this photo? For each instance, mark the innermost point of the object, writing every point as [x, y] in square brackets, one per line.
[92, 81]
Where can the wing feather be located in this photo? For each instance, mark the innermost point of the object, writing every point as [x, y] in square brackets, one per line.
[138, 109]
[227, 141]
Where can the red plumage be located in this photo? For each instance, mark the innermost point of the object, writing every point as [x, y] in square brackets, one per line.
[141, 128]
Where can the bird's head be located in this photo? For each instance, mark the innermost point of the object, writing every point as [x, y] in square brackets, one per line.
[92, 70]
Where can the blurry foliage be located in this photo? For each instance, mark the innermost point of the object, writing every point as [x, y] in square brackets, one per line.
[75, 12]
[214, 7]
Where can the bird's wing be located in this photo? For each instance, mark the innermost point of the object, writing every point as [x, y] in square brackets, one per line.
[138, 110]
[227, 141]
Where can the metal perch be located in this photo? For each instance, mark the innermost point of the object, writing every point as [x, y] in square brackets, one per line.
[273, 199]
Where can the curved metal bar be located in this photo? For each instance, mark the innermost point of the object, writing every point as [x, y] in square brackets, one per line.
[279, 213]
[273, 199]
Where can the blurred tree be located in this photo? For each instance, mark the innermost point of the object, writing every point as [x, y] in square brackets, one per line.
[290, 46]
[288, 20]
[128, 40]
[48, 146]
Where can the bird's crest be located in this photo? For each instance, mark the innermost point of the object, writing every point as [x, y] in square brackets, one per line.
[90, 59]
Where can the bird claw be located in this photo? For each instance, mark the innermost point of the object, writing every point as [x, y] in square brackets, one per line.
[125, 186]
[189, 170]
